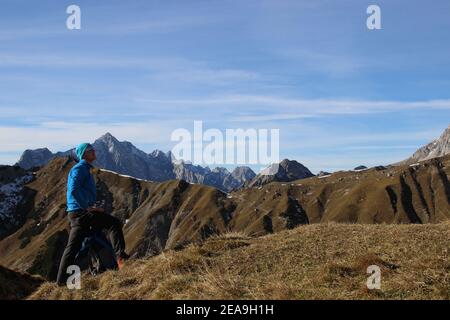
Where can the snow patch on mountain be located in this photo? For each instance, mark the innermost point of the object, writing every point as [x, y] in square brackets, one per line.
[124, 175]
[10, 196]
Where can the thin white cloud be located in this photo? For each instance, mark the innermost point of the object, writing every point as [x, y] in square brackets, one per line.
[157, 70]
[328, 139]
[99, 28]
[59, 136]
[380, 147]
[348, 161]
[31, 32]
[207, 76]
[159, 26]
[326, 63]
[269, 117]
[74, 61]
[303, 107]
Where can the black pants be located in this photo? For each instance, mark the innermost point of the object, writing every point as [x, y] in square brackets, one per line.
[81, 223]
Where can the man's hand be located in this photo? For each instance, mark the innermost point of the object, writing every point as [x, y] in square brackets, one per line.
[95, 209]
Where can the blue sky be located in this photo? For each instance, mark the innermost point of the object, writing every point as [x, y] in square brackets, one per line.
[340, 94]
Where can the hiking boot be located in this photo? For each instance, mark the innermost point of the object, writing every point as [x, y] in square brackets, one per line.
[120, 261]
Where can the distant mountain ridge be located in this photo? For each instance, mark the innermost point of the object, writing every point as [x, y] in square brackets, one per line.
[124, 158]
[285, 171]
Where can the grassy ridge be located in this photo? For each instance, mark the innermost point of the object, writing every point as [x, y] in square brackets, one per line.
[319, 261]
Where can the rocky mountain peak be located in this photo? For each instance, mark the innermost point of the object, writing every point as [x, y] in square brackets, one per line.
[159, 154]
[285, 171]
[107, 137]
[437, 148]
[34, 158]
[220, 170]
[245, 172]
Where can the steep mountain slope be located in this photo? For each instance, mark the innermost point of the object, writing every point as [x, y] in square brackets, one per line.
[160, 215]
[173, 214]
[438, 148]
[124, 158]
[404, 194]
[321, 261]
[39, 157]
[15, 198]
[239, 177]
[34, 158]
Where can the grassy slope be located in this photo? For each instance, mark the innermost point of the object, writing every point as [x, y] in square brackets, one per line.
[160, 214]
[393, 195]
[319, 261]
[172, 214]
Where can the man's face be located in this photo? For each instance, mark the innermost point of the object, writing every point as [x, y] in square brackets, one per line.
[89, 154]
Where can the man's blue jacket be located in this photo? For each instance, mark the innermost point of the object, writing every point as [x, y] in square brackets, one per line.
[81, 192]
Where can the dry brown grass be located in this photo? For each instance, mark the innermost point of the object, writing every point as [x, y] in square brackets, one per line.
[323, 261]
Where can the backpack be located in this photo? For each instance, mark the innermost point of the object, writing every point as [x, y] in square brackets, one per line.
[96, 254]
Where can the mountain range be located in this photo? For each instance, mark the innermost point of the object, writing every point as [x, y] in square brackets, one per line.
[124, 158]
[167, 215]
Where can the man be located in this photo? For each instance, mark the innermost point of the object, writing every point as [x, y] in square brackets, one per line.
[83, 215]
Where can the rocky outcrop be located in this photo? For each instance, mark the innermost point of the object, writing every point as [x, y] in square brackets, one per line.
[438, 148]
[34, 158]
[285, 171]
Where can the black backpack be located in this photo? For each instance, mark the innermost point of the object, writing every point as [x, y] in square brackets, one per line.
[96, 254]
